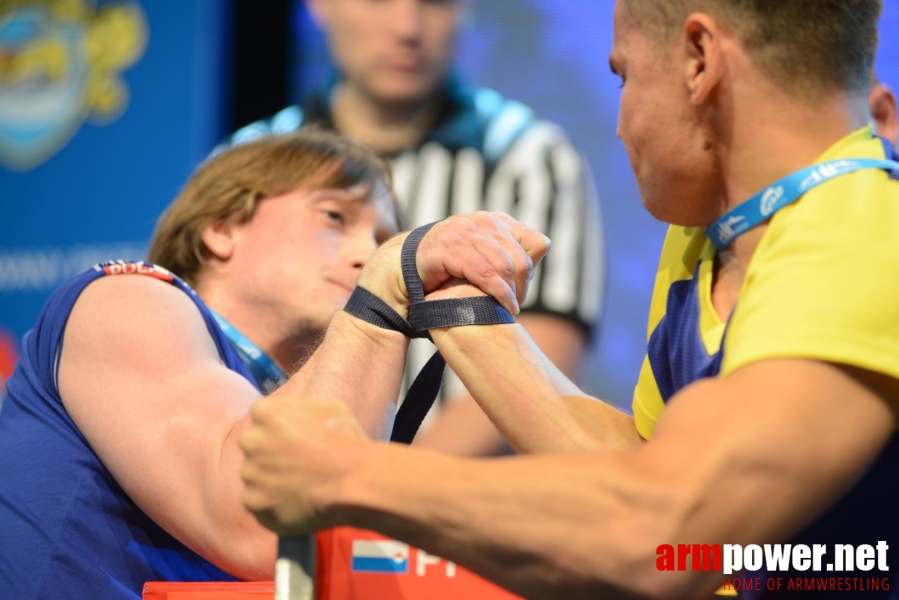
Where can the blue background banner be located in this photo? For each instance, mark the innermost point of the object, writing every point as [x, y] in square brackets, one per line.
[97, 195]
[146, 122]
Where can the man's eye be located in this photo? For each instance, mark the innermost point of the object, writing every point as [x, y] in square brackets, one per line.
[334, 216]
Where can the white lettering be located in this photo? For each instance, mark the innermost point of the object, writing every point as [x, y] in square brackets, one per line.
[770, 199]
[733, 558]
[778, 557]
[424, 560]
[819, 551]
[802, 557]
[882, 556]
[450, 569]
[845, 557]
[864, 557]
[752, 557]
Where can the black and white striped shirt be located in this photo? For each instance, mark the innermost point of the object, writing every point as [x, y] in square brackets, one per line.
[490, 153]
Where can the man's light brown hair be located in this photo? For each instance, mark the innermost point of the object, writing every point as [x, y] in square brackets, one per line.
[805, 46]
[229, 186]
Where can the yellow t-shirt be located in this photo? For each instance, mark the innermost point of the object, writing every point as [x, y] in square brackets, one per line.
[823, 284]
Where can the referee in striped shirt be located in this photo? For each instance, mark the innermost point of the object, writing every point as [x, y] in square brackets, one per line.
[455, 149]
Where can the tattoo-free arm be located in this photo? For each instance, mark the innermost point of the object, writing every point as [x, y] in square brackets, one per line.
[463, 428]
[736, 460]
[142, 379]
[529, 400]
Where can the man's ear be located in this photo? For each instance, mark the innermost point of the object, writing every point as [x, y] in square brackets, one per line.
[318, 10]
[884, 111]
[219, 239]
[702, 38]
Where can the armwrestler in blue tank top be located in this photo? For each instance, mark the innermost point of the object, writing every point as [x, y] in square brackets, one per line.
[68, 529]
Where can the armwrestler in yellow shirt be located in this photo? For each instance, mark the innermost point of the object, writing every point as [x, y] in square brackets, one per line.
[816, 289]
[767, 408]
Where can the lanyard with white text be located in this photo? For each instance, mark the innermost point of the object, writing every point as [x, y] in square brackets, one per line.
[268, 375]
[786, 191]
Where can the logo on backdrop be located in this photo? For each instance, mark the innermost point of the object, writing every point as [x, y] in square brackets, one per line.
[61, 62]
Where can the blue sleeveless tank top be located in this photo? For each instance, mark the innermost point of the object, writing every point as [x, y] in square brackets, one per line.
[67, 530]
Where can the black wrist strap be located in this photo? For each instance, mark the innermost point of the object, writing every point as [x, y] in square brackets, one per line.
[482, 310]
[368, 307]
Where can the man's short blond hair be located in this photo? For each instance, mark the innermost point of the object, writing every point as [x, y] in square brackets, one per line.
[229, 186]
[806, 46]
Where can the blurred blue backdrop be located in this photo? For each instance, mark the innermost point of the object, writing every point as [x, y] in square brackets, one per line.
[103, 174]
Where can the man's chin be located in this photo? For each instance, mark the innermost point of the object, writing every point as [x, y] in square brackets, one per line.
[403, 90]
[674, 211]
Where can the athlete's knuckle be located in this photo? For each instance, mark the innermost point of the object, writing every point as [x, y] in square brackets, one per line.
[527, 263]
[505, 268]
[485, 271]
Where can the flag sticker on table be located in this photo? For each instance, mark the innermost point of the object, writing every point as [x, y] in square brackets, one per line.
[380, 556]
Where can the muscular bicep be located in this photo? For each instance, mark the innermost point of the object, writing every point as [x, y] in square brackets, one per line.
[762, 452]
[141, 377]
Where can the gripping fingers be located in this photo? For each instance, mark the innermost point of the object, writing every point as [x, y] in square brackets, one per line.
[492, 251]
[523, 266]
[471, 265]
[534, 243]
[524, 246]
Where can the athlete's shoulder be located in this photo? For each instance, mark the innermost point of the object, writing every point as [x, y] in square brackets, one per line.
[145, 317]
[855, 210]
[145, 291]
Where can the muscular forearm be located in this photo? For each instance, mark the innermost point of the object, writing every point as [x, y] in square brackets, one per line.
[462, 428]
[573, 526]
[530, 401]
[360, 364]
[588, 524]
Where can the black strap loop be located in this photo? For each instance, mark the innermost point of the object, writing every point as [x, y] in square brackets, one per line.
[371, 309]
[419, 400]
[482, 310]
[410, 265]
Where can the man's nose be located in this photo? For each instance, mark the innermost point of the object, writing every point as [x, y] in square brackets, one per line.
[360, 249]
[406, 19]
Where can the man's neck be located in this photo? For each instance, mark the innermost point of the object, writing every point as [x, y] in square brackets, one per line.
[769, 140]
[387, 127]
[288, 347]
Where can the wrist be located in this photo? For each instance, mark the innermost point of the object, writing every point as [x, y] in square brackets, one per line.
[350, 326]
[383, 276]
[474, 339]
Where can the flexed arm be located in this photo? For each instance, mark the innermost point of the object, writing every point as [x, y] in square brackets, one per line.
[144, 403]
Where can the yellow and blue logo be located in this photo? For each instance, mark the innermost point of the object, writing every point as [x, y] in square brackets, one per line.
[61, 62]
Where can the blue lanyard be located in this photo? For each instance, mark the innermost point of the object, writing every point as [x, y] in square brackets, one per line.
[268, 375]
[783, 193]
